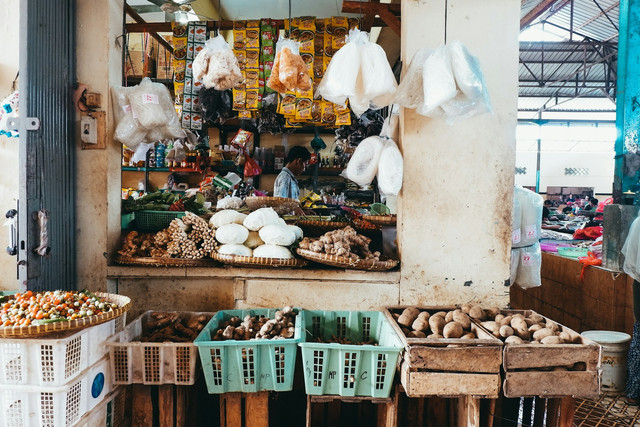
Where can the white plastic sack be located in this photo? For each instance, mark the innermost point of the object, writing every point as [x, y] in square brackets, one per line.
[216, 65]
[469, 78]
[340, 78]
[529, 267]
[128, 130]
[439, 85]
[272, 251]
[390, 169]
[516, 221]
[140, 155]
[363, 166]
[152, 106]
[531, 220]
[233, 234]
[377, 77]
[630, 250]
[410, 93]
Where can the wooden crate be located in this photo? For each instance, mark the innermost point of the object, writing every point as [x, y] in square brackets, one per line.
[338, 411]
[528, 367]
[449, 367]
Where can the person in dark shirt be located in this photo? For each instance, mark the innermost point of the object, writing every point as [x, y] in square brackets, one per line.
[545, 209]
[592, 206]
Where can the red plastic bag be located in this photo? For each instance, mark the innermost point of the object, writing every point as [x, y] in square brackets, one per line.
[589, 233]
[251, 168]
[590, 259]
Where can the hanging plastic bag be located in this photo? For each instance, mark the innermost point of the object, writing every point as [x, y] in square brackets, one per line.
[377, 77]
[216, 105]
[141, 152]
[410, 93]
[363, 166]
[216, 65]
[516, 221]
[529, 267]
[251, 167]
[390, 169]
[128, 130]
[515, 261]
[391, 125]
[531, 220]
[289, 70]
[630, 250]
[340, 78]
[469, 78]
[152, 106]
[439, 85]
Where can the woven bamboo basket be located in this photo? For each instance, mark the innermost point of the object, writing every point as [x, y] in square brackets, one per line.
[342, 262]
[249, 261]
[164, 262]
[282, 205]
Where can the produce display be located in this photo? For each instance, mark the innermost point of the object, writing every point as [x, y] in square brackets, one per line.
[164, 201]
[172, 327]
[258, 327]
[416, 323]
[533, 329]
[344, 242]
[37, 308]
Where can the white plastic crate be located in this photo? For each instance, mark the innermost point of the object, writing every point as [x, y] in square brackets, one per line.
[152, 363]
[33, 406]
[108, 413]
[55, 361]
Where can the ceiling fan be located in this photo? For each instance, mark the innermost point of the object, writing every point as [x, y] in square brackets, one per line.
[170, 6]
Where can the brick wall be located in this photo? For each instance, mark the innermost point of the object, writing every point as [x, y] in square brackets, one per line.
[603, 300]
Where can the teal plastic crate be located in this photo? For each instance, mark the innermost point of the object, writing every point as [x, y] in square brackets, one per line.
[349, 370]
[247, 366]
[155, 220]
[126, 220]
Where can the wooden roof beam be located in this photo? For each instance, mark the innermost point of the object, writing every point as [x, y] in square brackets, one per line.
[134, 15]
[387, 12]
[538, 10]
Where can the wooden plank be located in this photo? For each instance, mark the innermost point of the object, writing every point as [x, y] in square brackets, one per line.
[567, 408]
[182, 393]
[141, 406]
[468, 414]
[525, 356]
[231, 410]
[448, 384]
[388, 411]
[165, 404]
[334, 410]
[455, 359]
[437, 411]
[488, 411]
[553, 410]
[552, 384]
[540, 405]
[257, 409]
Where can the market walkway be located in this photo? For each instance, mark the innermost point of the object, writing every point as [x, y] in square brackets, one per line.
[604, 411]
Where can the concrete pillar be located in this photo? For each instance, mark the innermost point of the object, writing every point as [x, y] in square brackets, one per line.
[99, 65]
[455, 206]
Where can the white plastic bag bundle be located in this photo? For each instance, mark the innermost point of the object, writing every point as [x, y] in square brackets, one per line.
[630, 250]
[529, 267]
[390, 169]
[515, 261]
[516, 221]
[341, 77]
[377, 77]
[410, 93]
[531, 219]
[145, 103]
[128, 130]
[469, 77]
[216, 65]
[439, 85]
[363, 166]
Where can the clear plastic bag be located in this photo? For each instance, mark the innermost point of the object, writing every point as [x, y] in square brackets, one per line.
[216, 65]
[515, 260]
[363, 166]
[340, 80]
[531, 220]
[145, 103]
[439, 85]
[410, 93]
[390, 169]
[630, 250]
[377, 77]
[469, 78]
[516, 221]
[289, 69]
[128, 131]
[529, 267]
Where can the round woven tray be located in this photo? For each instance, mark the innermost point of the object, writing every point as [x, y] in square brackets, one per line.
[381, 219]
[342, 262]
[282, 205]
[124, 303]
[164, 262]
[249, 261]
[325, 225]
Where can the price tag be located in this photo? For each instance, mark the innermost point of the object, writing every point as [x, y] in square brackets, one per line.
[149, 98]
[516, 236]
[531, 231]
[527, 260]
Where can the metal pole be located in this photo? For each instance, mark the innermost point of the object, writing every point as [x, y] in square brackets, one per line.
[538, 152]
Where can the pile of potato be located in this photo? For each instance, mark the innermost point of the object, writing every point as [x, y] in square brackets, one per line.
[442, 324]
[258, 327]
[534, 329]
[172, 327]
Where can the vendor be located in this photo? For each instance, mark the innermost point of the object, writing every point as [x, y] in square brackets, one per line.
[545, 209]
[592, 205]
[286, 184]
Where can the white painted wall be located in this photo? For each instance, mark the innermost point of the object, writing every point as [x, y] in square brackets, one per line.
[9, 29]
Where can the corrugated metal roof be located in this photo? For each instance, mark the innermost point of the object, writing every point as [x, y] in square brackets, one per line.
[597, 23]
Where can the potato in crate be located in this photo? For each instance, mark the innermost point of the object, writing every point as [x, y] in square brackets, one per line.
[250, 350]
[157, 348]
[349, 353]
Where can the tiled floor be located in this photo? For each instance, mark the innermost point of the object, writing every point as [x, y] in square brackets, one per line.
[607, 410]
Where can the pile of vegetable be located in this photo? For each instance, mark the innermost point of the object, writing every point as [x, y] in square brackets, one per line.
[172, 327]
[261, 234]
[416, 323]
[533, 329]
[165, 201]
[344, 243]
[39, 308]
[282, 326]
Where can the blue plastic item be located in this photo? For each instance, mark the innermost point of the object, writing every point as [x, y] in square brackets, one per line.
[345, 369]
[247, 366]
